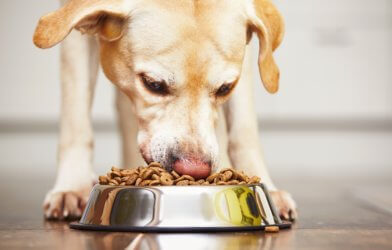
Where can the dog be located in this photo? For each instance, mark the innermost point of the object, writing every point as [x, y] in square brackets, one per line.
[184, 88]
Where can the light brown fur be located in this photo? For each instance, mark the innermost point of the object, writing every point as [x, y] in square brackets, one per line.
[195, 46]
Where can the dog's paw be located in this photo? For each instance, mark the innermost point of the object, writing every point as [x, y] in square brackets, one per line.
[66, 204]
[285, 205]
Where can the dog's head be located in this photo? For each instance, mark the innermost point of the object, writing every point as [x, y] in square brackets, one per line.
[177, 61]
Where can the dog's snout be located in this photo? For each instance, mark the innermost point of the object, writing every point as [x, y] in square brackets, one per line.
[192, 166]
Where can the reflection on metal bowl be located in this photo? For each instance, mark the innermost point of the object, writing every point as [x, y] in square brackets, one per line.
[179, 209]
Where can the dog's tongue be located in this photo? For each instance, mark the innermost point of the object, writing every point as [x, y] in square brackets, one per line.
[194, 167]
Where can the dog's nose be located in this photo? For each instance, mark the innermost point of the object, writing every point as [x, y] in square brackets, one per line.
[194, 167]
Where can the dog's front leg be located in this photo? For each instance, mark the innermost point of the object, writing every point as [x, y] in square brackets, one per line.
[127, 123]
[79, 65]
[244, 141]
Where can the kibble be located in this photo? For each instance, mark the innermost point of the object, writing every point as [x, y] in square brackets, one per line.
[155, 175]
[271, 229]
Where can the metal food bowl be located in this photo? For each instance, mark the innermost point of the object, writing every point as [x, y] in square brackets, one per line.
[179, 209]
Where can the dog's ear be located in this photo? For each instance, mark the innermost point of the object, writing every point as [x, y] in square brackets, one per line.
[267, 23]
[104, 17]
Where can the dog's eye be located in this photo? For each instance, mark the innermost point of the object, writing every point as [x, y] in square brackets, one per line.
[224, 90]
[156, 87]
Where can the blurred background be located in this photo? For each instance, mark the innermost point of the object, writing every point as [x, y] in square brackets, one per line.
[332, 116]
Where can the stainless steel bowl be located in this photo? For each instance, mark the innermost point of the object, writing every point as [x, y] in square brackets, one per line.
[179, 209]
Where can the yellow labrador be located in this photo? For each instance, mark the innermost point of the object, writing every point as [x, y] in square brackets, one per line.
[185, 92]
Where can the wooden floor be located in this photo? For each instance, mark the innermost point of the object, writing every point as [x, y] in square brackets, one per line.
[334, 214]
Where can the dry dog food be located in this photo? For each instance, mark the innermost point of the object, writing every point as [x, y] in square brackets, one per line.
[271, 229]
[155, 175]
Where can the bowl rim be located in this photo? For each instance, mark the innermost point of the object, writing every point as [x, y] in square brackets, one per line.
[187, 186]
